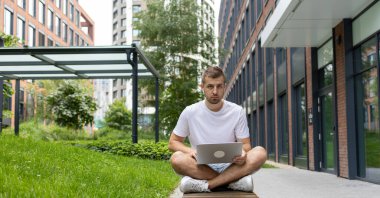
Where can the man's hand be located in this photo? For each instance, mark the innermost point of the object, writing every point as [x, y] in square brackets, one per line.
[193, 154]
[240, 160]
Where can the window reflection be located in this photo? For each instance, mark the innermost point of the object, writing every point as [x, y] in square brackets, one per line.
[368, 110]
[326, 76]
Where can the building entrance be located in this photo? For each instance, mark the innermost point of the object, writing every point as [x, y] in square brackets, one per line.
[327, 133]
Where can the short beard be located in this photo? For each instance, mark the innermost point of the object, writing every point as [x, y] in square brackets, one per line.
[213, 101]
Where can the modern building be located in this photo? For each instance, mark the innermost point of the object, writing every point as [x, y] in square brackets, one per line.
[44, 23]
[47, 22]
[306, 73]
[123, 33]
[103, 99]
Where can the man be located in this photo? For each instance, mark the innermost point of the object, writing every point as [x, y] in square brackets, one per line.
[214, 120]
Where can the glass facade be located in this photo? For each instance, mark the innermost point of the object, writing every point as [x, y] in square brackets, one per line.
[300, 121]
[319, 96]
[283, 128]
[367, 107]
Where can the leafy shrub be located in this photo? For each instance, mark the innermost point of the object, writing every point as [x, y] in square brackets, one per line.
[118, 116]
[71, 106]
[144, 150]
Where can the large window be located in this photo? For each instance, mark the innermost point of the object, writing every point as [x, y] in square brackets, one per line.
[50, 20]
[50, 42]
[367, 107]
[259, 8]
[281, 69]
[136, 33]
[64, 32]
[283, 128]
[71, 37]
[136, 8]
[253, 14]
[270, 131]
[76, 39]
[58, 26]
[300, 121]
[58, 3]
[20, 29]
[8, 22]
[262, 127]
[64, 6]
[21, 3]
[41, 12]
[41, 39]
[77, 18]
[32, 7]
[31, 36]
[71, 16]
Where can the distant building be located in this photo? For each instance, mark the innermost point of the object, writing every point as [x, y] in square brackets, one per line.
[44, 23]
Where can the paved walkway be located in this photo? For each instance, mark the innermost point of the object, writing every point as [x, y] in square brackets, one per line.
[287, 181]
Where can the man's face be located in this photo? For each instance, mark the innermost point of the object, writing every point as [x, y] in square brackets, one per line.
[213, 89]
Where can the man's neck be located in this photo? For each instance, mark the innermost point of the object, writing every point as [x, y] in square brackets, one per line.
[215, 107]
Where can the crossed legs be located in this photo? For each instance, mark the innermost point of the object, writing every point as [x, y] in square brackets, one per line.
[184, 164]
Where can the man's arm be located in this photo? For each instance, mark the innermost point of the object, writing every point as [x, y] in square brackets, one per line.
[176, 144]
[246, 144]
[240, 160]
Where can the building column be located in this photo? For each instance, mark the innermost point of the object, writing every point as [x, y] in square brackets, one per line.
[345, 126]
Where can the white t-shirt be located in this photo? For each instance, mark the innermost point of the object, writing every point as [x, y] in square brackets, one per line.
[204, 126]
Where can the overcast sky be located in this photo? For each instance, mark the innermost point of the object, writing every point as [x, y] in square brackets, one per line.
[100, 12]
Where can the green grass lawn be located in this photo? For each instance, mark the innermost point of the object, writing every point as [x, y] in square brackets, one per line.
[30, 168]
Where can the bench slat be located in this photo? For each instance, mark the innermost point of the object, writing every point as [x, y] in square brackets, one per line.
[230, 194]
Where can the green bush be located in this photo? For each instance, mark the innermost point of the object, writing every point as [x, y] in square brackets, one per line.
[51, 132]
[109, 133]
[118, 116]
[71, 106]
[144, 149]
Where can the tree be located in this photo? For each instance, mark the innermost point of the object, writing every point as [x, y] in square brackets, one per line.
[9, 41]
[40, 89]
[70, 106]
[118, 116]
[176, 43]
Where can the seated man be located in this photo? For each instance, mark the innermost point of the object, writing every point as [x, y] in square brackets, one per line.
[214, 120]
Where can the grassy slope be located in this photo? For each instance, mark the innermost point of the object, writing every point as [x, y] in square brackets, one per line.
[41, 169]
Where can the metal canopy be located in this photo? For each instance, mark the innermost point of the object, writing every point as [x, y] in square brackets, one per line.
[71, 63]
[78, 63]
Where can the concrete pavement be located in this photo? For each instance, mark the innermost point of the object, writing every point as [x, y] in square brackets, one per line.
[287, 181]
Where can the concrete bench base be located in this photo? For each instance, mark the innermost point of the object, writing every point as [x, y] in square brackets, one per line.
[229, 194]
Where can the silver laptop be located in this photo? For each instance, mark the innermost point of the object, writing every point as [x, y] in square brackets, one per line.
[218, 153]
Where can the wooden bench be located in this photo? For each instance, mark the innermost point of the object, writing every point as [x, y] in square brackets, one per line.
[230, 194]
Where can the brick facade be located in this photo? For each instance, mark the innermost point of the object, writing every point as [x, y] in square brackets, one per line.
[341, 99]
